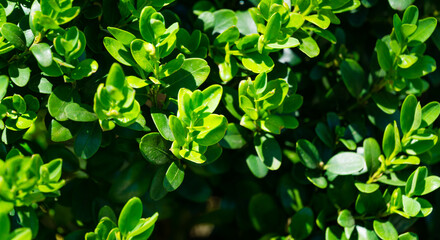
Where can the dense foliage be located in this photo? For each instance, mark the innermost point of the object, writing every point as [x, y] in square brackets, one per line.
[168, 119]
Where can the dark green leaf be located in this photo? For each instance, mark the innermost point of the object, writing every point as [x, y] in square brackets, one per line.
[268, 151]
[155, 149]
[353, 76]
[302, 223]
[173, 177]
[88, 141]
[308, 153]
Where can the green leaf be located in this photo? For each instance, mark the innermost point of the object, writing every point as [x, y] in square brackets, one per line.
[88, 141]
[353, 76]
[21, 234]
[224, 19]
[42, 53]
[324, 134]
[408, 236]
[420, 141]
[214, 128]
[400, 5]
[426, 207]
[257, 62]
[411, 115]
[84, 69]
[371, 154]
[14, 35]
[19, 103]
[173, 177]
[172, 66]
[407, 61]
[386, 101]
[142, 52]
[385, 230]
[319, 20]
[130, 215]
[430, 113]
[157, 189]
[411, 15]
[192, 74]
[122, 36]
[268, 151]
[308, 46]
[162, 124]
[131, 181]
[345, 219]
[4, 82]
[422, 67]
[20, 75]
[367, 187]
[118, 51]
[346, 163]
[316, 178]
[308, 154]
[432, 183]
[155, 149]
[234, 137]
[415, 185]
[144, 24]
[425, 28]
[264, 213]
[256, 166]
[273, 27]
[273, 124]
[80, 113]
[383, 55]
[59, 132]
[410, 206]
[5, 226]
[302, 223]
[211, 97]
[59, 99]
[230, 35]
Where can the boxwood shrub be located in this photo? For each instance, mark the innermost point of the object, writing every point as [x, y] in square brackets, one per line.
[239, 119]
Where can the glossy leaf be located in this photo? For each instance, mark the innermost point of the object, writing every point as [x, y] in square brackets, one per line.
[346, 163]
[268, 151]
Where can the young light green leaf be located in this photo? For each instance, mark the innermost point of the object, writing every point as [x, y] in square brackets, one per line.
[273, 27]
[425, 28]
[4, 82]
[345, 219]
[257, 62]
[430, 113]
[130, 215]
[385, 230]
